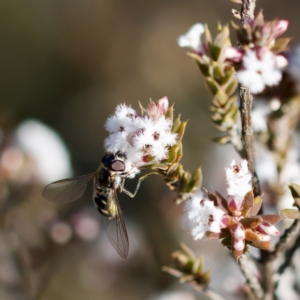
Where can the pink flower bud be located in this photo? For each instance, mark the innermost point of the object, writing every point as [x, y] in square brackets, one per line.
[267, 228]
[238, 236]
[163, 105]
[280, 27]
[155, 110]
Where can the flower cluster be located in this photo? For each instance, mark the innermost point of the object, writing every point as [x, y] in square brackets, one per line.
[142, 137]
[258, 62]
[234, 219]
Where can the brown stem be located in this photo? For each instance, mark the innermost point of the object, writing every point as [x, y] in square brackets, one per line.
[288, 258]
[246, 100]
[251, 279]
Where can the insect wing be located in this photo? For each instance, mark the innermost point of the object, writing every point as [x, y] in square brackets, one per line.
[67, 190]
[115, 227]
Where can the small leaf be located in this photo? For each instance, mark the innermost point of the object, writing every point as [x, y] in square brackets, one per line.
[189, 252]
[256, 206]
[222, 203]
[231, 87]
[280, 45]
[227, 242]
[196, 181]
[252, 236]
[207, 34]
[236, 13]
[222, 39]
[249, 202]
[290, 213]
[215, 51]
[212, 85]
[169, 113]
[173, 272]
[272, 219]
[221, 97]
[262, 245]
[180, 130]
[295, 190]
[251, 222]
[212, 235]
[223, 140]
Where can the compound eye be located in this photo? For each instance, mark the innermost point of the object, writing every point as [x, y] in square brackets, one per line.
[117, 166]
[107, 159]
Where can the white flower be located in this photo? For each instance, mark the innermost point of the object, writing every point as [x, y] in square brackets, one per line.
[259, 116]
[46, 148]
[192, 39]
[138, 136]
[202, 216]
[260, 68]
[239, 181]
[155, 137]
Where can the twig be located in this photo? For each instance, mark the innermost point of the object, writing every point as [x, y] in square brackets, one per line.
[251, 280]
[284, 240]
[288, 258]
[246, 99]
[213, 295]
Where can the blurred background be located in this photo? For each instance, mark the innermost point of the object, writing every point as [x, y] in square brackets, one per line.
[65, 65]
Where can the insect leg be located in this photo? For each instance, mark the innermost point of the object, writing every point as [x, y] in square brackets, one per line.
[132, 195]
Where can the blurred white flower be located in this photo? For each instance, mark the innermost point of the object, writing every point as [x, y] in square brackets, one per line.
[201, 216]
[46, 149]
[259, 116]
[285, 289]
[61, 232]
[86, 226]
[260, 68]
[174, 295]
[192, 39]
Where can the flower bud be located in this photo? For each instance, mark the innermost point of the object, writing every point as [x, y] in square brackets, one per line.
[238, 236]
[267, 228]
[280, 27]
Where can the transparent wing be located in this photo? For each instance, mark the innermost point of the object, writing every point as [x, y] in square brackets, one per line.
[116, 229]
[67, 190]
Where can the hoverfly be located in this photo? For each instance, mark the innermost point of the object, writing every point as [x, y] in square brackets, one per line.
[109, 178]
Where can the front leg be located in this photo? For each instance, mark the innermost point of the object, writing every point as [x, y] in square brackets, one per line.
[132, 195]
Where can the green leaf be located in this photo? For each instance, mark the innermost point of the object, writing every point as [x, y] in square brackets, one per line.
[180, 130]
[222, 38]
[290, 213]
[223, 140]
[215, 51]
[295, 190]
[280, 45]
[207, 34]
[231, 87]
[213, 86]
[221, 97]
